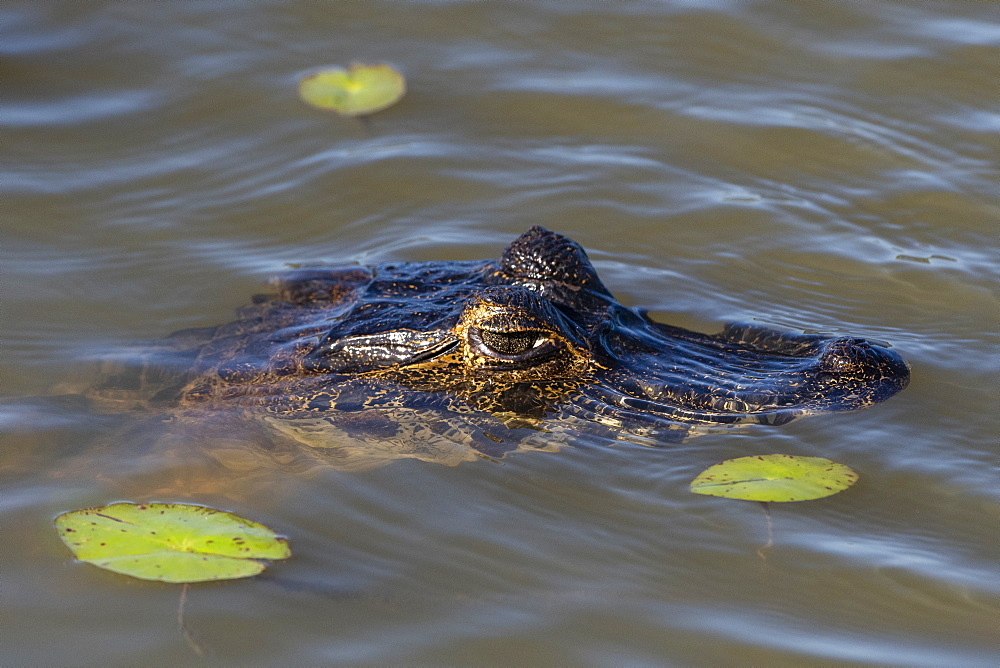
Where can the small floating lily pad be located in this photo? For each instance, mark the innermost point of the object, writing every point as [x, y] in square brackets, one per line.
[356, 91]
[170, 542]
[778, 478]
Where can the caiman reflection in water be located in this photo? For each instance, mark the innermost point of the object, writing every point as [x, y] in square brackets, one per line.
[446, 360]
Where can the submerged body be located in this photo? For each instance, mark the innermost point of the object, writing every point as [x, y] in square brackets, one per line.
[493, 355]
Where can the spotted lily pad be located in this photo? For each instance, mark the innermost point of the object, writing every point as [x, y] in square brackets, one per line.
[169, 542]
[774, 478]
[356, 91]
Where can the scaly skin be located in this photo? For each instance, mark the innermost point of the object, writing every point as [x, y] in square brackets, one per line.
[496, 354]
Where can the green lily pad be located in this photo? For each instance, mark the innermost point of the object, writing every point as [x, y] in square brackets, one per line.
[356, 91]
[169, 542]
[778, 478]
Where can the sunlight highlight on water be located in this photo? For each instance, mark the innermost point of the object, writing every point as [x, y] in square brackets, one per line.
[817, 167]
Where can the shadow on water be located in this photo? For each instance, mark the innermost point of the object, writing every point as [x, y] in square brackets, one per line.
[814, 168]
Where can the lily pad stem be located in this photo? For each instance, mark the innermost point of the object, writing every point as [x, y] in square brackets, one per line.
[195, 647]
[762, 550]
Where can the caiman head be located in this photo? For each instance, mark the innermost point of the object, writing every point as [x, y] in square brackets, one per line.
[538, 334]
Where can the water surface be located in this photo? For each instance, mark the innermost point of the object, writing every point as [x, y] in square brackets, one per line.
[821, 167]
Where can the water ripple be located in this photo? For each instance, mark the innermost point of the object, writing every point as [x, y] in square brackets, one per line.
[821, 167]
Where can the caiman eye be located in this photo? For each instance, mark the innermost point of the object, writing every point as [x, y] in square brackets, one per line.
[511, 343]
[512, 346]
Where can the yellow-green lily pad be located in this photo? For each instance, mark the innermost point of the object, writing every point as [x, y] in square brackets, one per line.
[170, 542]
[779, 478]
[356, 91]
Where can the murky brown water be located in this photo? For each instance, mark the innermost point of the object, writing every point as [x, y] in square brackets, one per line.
[821, 166]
